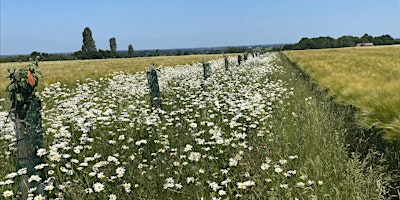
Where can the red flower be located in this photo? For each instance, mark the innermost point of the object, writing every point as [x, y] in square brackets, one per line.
[31, 81]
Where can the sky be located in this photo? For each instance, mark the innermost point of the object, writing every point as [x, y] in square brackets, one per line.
[53, 26]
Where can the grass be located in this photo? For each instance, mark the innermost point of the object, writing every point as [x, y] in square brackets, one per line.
[367, 78]
[258, 131]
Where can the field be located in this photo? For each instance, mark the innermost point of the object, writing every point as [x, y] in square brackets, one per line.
[367, 78]
[257, 131]
[68, 72]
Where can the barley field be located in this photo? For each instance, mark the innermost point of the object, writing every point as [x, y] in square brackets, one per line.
[367, 78]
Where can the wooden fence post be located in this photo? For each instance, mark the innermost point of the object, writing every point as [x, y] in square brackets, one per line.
[245, 56]
[29, 131]
[226, 63]
[26, 108]
[239, 59]
[155, 96]
[206, 69]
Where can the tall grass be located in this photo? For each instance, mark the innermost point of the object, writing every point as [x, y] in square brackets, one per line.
[320, 128]
[367, 78]
[255, 132]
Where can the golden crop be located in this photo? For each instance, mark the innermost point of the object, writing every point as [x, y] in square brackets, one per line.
[365, 77]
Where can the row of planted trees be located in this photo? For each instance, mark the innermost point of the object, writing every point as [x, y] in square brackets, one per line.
[26, 113]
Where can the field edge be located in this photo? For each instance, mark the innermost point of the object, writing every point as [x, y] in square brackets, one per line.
[368, 142]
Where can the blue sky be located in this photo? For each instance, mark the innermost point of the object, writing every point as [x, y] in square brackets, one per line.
[56, 26]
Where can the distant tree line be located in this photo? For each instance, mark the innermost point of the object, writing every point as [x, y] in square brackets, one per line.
[89, 51]
[127, 53]
[344, 41]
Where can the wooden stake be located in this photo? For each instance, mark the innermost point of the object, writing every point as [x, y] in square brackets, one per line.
[29, 139]
[226, 63]
[155, 96]
[239, 59]
[206, 70]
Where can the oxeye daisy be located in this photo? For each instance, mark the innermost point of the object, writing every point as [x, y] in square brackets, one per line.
[98, 187]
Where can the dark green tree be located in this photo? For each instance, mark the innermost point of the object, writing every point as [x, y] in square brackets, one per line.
[113, 47]
[232, 50]
[306, 43]
[88, 47]
[383, 40]
[131, 52]
[366, 38]
[347, 41]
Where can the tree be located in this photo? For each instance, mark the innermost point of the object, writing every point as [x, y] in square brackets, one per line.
[34, 54]
[131, 52]
[347, 41]
[383, 40]
[306, 43]
[366, 38]
[88, 47]
[113, 47]
[232, 50]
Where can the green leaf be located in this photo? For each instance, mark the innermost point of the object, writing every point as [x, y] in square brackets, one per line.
[10, 87]
[19, 98]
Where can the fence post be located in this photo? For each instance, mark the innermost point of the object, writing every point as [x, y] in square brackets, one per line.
[206, 69]
[26, 108]
[226, 63]
[245, 56]
[29, 139]
[155, 96]
[239, 59]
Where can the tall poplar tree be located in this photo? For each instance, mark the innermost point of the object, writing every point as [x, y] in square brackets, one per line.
[113, 47]
[88, 46]
[130, 51]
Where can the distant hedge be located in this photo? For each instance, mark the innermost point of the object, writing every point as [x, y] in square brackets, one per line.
[344, 41]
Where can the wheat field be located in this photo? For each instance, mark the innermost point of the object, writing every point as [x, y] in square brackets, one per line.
[367, 78]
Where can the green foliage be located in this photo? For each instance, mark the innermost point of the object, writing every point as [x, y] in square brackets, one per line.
[22, 87]
[232, 50]
[88, 42]
[131, 52]
[347, 41]
[88, 47]
[366, 38]
[113, 47]
[344, 41]
[384, 40]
